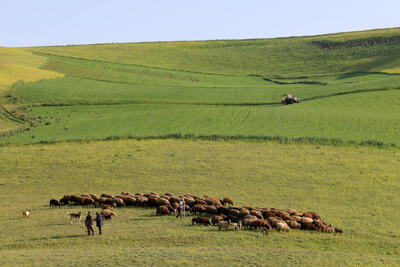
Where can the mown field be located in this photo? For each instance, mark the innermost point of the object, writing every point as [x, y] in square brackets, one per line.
[203, 117]
[351, 188]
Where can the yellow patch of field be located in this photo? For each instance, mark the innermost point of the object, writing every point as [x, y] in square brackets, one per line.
[17, 64]
[6, 125]
[392, 70]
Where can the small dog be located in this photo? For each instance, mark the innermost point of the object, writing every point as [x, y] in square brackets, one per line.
[76, 216]
[26, 213]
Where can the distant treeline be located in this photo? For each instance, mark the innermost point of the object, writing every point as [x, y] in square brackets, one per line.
[357, 42]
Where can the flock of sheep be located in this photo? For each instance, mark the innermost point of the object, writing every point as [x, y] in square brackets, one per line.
[222, 211]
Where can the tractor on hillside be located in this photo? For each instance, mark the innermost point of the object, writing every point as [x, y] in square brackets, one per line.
[289, 99]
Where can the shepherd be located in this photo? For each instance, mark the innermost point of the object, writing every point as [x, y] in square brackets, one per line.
[181, 208]
[99, 221]
[89, 224]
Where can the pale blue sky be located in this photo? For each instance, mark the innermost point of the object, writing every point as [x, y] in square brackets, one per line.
[57, 22]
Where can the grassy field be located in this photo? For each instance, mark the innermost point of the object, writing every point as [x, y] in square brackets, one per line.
[352, 188]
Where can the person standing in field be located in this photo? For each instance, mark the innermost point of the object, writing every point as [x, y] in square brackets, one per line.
[181, 207]
[99, 221]
[89, 223]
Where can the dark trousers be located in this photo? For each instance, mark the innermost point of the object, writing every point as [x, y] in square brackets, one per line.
[90, 229]
[179, 212]
[99, 226]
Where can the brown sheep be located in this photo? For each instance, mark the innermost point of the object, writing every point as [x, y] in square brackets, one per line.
[109, 201]
[210, 210]
[65, 200]
[88, 201]
[308, 226]
[152, 201]
[243, 212]
[211, 200]
[306, 220]
[75, 199]
[119, 201]
[94, 197]
[257, 214]
[293, 224]
[106, 195]
[108, 213]
[141, 201]
[227, 200]
[200, 202]
[130, 201]
[101, 200]
[163, 201]
[163, 210]
[222, 210]
[54, 203]
[201, 221]
[216, 218]
[268, 213]
[198, 209]
[282, 226]
[250, 217]
[234, 212]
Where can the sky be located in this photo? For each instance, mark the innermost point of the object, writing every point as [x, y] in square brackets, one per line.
[61, 22]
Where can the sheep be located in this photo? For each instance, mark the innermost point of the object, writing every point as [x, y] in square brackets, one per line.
[216, 218]
[54, 203]
[106, 195]
[198, 209]
[210, 210]
[243, 212]
[227, 200]
[201, 221]
[75, 199]
[234, 212]
[163, 210]
[65, 200]
[223, 225]
[119, 201]
[141, 201]
[293, 224]
[256, 214]
[87, 201]
[94, 197]
[107, 213]
[282, 226]
[306, 220]
[307, 226]
[152, 201]
[163, 201]
[250, 217]
[222, 210]
[109, 201]
[130, 201]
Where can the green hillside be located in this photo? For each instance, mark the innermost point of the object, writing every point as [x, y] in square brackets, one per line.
[298, 56]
